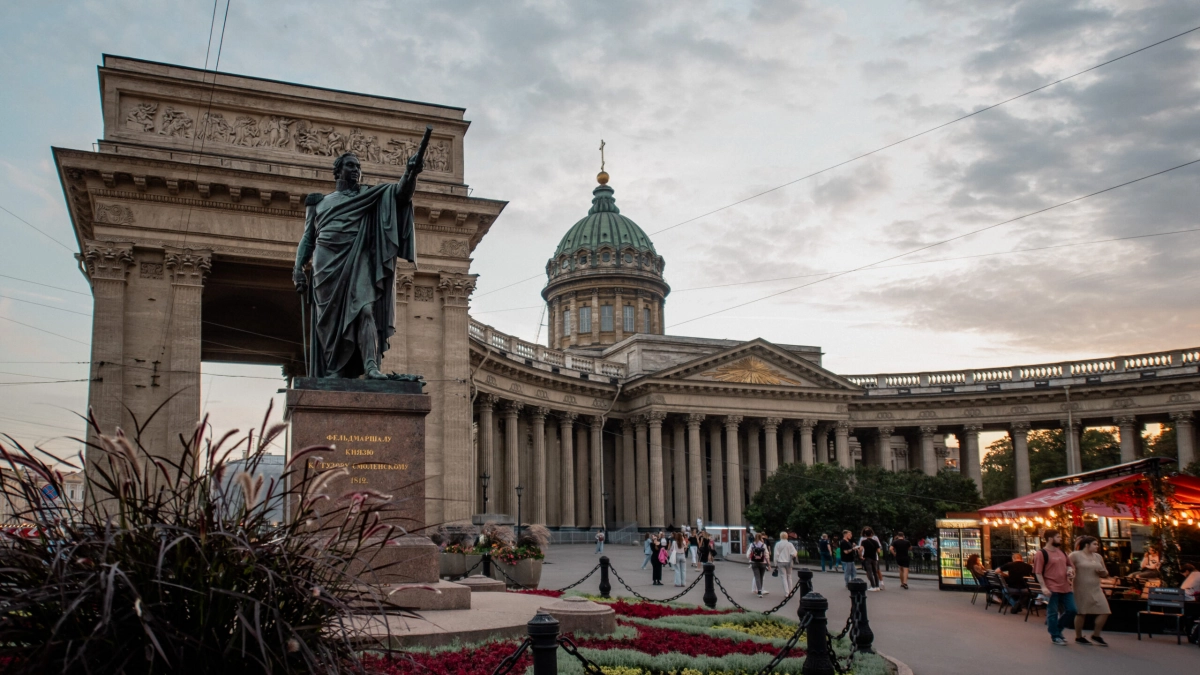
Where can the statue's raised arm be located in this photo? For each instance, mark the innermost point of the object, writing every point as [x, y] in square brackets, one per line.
[416, 164]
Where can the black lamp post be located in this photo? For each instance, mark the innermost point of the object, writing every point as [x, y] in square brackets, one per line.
[604, 511]
[520, 490]
[484, 480]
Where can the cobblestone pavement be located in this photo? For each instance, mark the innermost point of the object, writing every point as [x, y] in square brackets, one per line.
[934, 632]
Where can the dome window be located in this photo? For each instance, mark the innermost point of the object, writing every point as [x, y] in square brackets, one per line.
[628, 258]
[583, 261]
[606, 256]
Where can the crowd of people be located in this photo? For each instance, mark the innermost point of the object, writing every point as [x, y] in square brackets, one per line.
[677, 550]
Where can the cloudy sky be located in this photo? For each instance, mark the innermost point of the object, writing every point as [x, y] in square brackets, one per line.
[701, 105]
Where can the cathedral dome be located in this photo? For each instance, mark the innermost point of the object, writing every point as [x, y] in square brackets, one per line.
[604, 224]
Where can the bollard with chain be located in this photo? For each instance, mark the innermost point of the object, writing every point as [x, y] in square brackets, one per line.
[605, 586]
[817, 661]
[543, 636]
[710, 592]
[861, 633]
[804, 580]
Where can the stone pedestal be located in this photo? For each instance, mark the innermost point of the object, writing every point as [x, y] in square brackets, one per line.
[580, 615]
[481, 584]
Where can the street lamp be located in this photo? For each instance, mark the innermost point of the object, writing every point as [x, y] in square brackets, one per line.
[484, 480]
[519, 491]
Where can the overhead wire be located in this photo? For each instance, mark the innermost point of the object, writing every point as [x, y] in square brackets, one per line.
[37, 229]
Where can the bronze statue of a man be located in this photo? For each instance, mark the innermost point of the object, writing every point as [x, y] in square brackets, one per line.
[353, 237]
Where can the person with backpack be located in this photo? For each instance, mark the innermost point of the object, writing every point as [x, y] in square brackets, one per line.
[760, 559]
[848, 553]
[1056, 574]
[825, 550]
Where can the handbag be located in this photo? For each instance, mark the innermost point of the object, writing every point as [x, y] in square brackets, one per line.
[775, 572]
[662, 556]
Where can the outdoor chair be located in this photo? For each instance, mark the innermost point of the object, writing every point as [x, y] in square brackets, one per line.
[1036, 600]
[1010, 595]
[980, 585]
[994, 587]
[1167, 603]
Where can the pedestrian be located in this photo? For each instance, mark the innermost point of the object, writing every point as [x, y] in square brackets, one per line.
[694, 548]
[600, 542]
[677, 555]
[869, 546]
[646, 550]
[708, 550]
[658, 555]
[1089, 597]
[825, 550]
[1056, 574]
[900, 548]
[785, 553]
[848, 554]
[760, 559]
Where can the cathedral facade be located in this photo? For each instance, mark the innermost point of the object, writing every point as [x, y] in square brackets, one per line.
[187, 213]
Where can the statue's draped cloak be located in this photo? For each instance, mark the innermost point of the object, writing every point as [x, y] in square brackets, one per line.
[355, 240]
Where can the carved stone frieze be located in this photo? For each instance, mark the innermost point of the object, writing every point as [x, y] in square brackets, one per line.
[1180, 398]
[569, 399]
[927, 415]
[1124, 403]
[301, 136]
[113, 214]
[541, 393]
[423, 293]
[188, 266]
[107, 259]
[455, 248]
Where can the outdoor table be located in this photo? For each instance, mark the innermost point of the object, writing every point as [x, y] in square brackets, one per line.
[1124, 616]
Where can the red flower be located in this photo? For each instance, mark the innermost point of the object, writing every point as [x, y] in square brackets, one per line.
[648, 610]
[472, 661]
[540, 591]
[655, 641]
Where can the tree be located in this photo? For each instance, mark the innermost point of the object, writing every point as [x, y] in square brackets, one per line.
[823, 498]
[1098, 448]
[1162, 444]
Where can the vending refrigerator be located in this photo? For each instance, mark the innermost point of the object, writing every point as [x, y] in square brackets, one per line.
[958, 539]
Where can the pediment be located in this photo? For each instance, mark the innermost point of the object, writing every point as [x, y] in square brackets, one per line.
[756, 363]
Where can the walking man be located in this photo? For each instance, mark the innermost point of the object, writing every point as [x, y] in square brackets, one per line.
[1056, 574]
[825, 549]
[646, 550]
[785, 552]
[849, 553]
[900, 548]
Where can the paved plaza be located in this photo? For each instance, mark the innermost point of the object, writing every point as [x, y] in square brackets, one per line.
[934, 632]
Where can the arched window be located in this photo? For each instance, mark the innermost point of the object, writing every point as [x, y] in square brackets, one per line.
[605, 256]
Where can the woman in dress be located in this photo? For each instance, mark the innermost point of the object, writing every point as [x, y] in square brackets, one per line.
[1089, 597]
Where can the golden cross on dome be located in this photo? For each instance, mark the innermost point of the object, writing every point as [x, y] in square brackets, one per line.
[602, 154]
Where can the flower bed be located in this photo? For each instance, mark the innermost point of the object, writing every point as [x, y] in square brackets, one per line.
[544, 592]
[769, 628]
[653, 610]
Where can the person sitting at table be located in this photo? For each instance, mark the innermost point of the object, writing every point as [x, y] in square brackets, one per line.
[1015, 574]
[1151, 561]
[1191, 582]
[976, 566]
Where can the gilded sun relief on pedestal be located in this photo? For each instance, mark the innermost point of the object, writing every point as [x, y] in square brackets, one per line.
[749, 370]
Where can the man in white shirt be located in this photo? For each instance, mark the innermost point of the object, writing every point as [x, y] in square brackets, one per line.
[785, 553]
[1191, 583]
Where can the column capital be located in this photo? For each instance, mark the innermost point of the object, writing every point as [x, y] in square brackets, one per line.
[969, 428]
[772, 423]
[886, 432]
[188, 266]
[596, 420]
[106, 259]
[487, 400]
[694, 420]
[844, 425]
[807, 425]
[1185, 416]
[1073, 423]
[1020, 427]
[567, 419]
[513, 408]
[1125, 420]
[732, 421]
[656, 417]
[456, 288]
[638, 420]
[928, 430]
[538, 413]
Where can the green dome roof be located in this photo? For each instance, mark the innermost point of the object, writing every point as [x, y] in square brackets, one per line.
[604, 224]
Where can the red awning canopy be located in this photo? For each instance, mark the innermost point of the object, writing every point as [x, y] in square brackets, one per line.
[1056, 496]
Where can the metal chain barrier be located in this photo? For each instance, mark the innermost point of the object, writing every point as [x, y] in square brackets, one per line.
[468, 572]
[569, 647]
[846, 628]
[505, 575]
[783, 602]
[511, 660]
[673, 598]
[585, 578]
[842, 664]
[726, 594]
[787, 648]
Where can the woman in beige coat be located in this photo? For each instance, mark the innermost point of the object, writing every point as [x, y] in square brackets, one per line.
[1089, 597]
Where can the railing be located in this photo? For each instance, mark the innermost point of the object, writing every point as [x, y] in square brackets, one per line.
[1094, 370]
[551, 358]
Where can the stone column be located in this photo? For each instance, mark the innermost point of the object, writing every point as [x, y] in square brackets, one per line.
[883, 445]
[928, 456]
[679, 480]
[595, 316]
[512, 456]
[969, 453]
[629, 472]
[695, 461]
[821, 444]
[597, 471]
[1185, 437]
[107, 264]
[487, 441]
[537, 417]
[454, 397]
[553, 472]
[643, 472]
[583, 515]
[733, 460]
[787, 443]
[188, 268]
[1071, 430]
[1130, 429]
[753, 458]
[655, 420]
[566, 480]
[806, 441]
[770, 444]
[841, 445]
[1019, 432]
[717, 473]
[619, 316]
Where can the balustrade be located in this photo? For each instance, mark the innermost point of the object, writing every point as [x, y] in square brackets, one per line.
[551, 357]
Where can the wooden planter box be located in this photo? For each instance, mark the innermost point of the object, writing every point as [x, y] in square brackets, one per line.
[526, 573]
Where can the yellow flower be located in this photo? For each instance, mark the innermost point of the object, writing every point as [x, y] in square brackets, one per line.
[767, 629]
